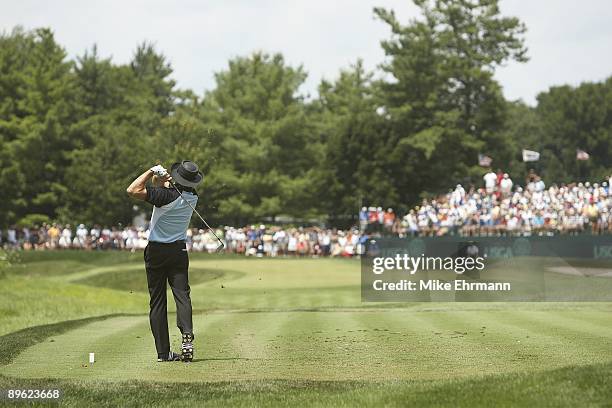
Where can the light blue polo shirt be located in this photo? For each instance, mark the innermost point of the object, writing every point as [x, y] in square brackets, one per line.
[169, 222]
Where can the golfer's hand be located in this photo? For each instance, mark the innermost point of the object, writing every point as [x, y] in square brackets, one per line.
[159, 171]
[165, 178]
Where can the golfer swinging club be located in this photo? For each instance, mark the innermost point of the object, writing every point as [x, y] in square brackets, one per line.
[166, 254]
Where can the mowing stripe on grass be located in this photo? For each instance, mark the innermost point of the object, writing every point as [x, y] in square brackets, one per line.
[598, 324]
[557, 348]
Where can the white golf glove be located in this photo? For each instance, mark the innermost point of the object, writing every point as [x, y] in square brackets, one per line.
[159, 170]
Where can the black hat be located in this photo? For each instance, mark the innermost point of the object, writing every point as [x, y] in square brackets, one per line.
[186, 173]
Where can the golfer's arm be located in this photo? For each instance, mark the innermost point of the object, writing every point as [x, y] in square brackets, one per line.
[138, 188]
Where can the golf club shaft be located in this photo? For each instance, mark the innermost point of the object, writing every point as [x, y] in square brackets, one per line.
[197, 213]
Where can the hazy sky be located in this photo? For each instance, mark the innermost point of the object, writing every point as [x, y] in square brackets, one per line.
[569, 41]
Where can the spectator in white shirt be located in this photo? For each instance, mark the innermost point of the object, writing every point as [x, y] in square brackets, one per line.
[490, 180]
[505, 185]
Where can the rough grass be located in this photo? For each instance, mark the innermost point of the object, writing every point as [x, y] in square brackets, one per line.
[586, 386]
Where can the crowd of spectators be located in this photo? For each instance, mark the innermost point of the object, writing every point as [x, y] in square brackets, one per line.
[275, 241]
[498, 208]
[251, 241]
[502, 208]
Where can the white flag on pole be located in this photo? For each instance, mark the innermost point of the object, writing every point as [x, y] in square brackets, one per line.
[582, 155]
[530, 155]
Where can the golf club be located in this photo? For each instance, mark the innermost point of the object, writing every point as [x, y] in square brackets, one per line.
[221, 244]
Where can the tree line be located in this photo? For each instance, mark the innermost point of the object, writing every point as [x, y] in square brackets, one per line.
[75, 132]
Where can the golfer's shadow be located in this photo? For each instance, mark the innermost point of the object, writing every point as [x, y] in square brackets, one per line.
[200, 360]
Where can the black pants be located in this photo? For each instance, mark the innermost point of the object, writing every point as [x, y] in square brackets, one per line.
[167, 263]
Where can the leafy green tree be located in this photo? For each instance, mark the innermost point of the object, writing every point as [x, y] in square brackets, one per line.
[121, 111]
[353, 167]
[442, 99]
[153, 71]
[267, 152]
[35, 115]
[576, 118]
[99, 176]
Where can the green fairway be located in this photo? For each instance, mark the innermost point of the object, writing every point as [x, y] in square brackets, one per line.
[290, 331]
